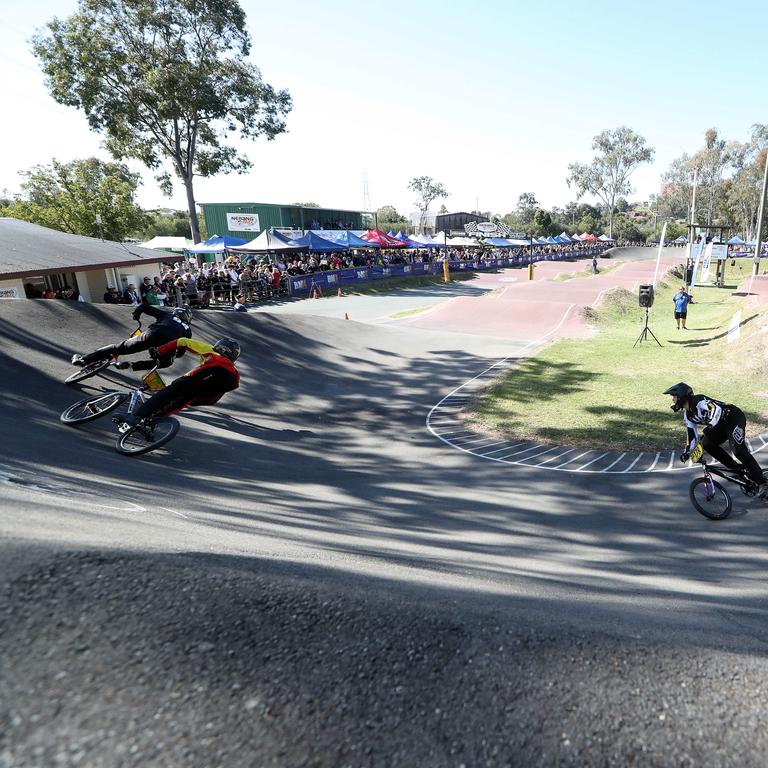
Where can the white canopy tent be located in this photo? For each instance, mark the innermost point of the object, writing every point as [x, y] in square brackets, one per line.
[463, 242]
[174, 244]
[267, 241]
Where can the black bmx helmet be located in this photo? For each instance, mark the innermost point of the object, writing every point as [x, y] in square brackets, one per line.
[227, 348]
[681, 392]
[184, 314]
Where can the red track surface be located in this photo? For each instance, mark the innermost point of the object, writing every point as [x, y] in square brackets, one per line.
[529, 310]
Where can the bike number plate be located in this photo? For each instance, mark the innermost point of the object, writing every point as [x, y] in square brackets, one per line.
[154, 381]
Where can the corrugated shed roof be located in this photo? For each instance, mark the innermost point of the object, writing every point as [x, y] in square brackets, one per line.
[29, 249]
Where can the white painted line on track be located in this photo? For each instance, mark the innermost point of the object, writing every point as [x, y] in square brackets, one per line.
[552, 458]
[444, 412]
[517, 453]
[174, 512]
[477, 440]
[472, 438]
[639, 456]
[534, 455]
[614, 463]
[505, 448]
[483, 447]
[571, 460]
[584, 466]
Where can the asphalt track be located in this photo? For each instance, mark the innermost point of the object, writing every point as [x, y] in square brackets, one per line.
[308, 577]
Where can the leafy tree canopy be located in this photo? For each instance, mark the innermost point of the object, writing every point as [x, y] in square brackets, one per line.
[68, 197]
[167, 83]
[618, 153]
[428, 190]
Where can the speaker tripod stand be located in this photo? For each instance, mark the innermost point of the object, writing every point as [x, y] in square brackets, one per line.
[646, 332]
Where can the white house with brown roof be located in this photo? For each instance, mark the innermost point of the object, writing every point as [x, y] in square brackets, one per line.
[35, 258]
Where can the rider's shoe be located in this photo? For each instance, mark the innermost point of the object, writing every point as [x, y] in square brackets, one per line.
[77, 360]
[126, 422]
[122, 365]
[762, 490]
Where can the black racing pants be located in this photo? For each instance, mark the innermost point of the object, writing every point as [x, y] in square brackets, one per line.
[131, 346]
[193, 389]
[732, 428]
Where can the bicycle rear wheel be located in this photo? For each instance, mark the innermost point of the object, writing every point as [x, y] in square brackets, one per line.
[92, 407]
[87, 371]
[718, 507]
[144, 438]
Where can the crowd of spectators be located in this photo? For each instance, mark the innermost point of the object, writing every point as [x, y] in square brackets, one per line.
[238, 281]
[207, 285]
[32, 291]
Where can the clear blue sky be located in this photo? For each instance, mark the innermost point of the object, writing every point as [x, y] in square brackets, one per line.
[491, 98]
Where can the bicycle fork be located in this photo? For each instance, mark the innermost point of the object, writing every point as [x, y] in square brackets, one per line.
[709, 486]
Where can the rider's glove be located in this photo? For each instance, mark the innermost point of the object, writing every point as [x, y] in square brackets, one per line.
[153, 353]
[685, 455]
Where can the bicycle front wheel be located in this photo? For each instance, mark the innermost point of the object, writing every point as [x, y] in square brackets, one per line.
[92, 408]
[144, 438]
[718, 507]
[87, 371]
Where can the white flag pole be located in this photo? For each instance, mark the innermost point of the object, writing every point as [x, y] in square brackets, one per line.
[658, 256]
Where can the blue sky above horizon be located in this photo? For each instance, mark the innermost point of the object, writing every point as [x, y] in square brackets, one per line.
[492, 98]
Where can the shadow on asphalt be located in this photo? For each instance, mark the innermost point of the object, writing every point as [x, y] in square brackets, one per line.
[324, 447]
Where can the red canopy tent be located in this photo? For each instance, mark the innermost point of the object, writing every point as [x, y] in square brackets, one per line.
[588, 237]
[382, 239]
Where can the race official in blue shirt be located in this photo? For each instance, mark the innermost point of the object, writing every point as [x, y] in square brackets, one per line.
[681, 301]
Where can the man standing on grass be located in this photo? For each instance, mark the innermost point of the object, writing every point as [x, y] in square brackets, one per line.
[681, 300]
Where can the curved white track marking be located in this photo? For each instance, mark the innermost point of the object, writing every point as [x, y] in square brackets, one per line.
[174, 512]
[548, 449]
[589, 463]
[571, 460]
[614, 463]
[637, 458]
[505, 448]
[517, 453]
[443, 414]
[487, 445]
[552, 458]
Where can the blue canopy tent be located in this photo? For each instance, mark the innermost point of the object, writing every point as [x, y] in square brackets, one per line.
[560, 240]
[317, 244]
[498, 242]
[345, 237]
[736, 240]
[214, 245]
[564, 238]
[268, 241]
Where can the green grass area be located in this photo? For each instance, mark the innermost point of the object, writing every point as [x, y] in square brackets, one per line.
[408, 312]
[398, 283]
[601, 392]
[602, 267]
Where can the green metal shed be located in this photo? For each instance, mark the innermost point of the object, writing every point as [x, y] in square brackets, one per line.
[246, 220]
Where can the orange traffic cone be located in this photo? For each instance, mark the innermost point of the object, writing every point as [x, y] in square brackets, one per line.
[340, 293]
[346, 316]
[314, 293]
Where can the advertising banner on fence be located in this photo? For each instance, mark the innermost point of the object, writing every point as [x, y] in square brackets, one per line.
[324, 280]
[243, 222]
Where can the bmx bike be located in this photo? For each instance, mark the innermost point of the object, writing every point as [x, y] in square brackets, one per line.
[709, 496]
[92, 369]
[133, 440]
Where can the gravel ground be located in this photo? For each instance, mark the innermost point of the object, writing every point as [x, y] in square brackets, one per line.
[172, 661]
